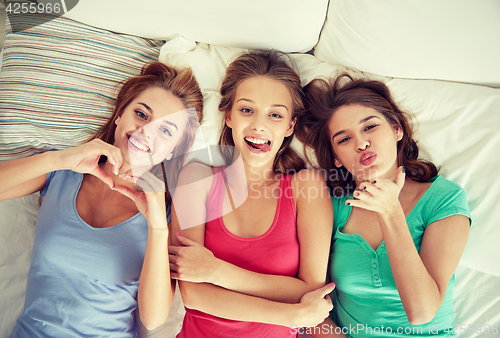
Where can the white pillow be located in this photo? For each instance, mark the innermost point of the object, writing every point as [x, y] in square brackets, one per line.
[288, 25]
[455, 40]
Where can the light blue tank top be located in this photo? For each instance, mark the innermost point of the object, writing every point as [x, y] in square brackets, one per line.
[83, 281]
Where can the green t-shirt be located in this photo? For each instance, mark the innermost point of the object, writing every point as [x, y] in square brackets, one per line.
[367, 302]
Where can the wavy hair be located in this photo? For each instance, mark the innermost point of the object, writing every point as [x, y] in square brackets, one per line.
[323, 98]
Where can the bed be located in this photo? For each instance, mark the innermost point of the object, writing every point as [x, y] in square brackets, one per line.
[440, 59]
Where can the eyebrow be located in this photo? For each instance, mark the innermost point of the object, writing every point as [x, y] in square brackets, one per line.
[151, 111]
[172, 124]
[147, 107]
[360, 122]
[274, 105]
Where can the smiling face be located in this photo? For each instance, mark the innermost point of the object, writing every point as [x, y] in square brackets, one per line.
[150, 127]
[364, 142]
[260, 119]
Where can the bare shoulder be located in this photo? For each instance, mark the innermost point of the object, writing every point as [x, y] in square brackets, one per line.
[309, 185]
[196, 173]
[308, 177]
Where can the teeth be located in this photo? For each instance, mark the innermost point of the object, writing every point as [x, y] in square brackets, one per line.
[256, 140]
[139, 145]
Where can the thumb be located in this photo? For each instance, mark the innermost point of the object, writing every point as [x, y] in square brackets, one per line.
[126, 191]
[325, 290]
[400, 176]
[185, 241]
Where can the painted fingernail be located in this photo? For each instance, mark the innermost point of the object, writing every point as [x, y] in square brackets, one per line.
[348, 203]
[332, 284]
[374, 182]
[177, 234]
[404, 169]
[364, 188]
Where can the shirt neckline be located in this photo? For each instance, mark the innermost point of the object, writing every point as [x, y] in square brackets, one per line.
[381, 246]
[79, 185]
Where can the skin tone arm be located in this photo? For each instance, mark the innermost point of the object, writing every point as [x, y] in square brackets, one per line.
[24, 176]
[422, 278]
[233, 305]
[156, 289]
[314, 226]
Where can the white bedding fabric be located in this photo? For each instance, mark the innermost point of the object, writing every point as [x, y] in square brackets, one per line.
[287, 25]
[453, 40]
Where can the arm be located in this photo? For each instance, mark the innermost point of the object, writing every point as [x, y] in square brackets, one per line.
[156, 289]
[24, 176]
[421, 279]
[225, 303]
[314, 228]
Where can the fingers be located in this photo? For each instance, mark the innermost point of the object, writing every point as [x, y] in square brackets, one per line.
[174, 250]
[400, 177]
[113, 154]
[149, 183]
[127, 191]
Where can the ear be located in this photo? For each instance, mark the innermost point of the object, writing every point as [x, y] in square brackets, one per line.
[117, 119]
[169, 156]
[399, 132]
[337, 163]
[291, 127]
[228, 120]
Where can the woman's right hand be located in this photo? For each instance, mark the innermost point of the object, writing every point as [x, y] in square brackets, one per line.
[314, 307]
[85, 159]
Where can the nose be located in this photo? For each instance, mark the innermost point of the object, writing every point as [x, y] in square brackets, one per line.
[259, 123]
[363, 144]
[143, 132]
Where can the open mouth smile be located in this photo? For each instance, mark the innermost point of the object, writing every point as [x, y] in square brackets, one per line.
[138, 144]
[258, 144]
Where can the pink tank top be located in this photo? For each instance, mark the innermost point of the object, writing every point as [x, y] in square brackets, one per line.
[274, 252]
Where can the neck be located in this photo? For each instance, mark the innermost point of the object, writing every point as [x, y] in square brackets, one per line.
[260, 176]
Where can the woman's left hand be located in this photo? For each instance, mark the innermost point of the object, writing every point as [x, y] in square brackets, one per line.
[151, 200]
[191, 262]
[380, 196]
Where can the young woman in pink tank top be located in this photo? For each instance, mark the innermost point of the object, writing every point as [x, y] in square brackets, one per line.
[247, 267]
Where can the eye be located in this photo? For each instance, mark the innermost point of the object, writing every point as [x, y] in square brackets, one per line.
[343, 140]
[141, 114]
[165, 131]
[371, 126]
[276, 115]
[246, 110]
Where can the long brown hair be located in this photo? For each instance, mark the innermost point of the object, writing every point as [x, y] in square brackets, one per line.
[272, 65]
[323, 98]
[181, 83]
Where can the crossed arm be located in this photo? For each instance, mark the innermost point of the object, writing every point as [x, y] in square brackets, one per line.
[239, 294]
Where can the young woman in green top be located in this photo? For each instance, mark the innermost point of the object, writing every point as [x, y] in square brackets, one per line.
[399, 228]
